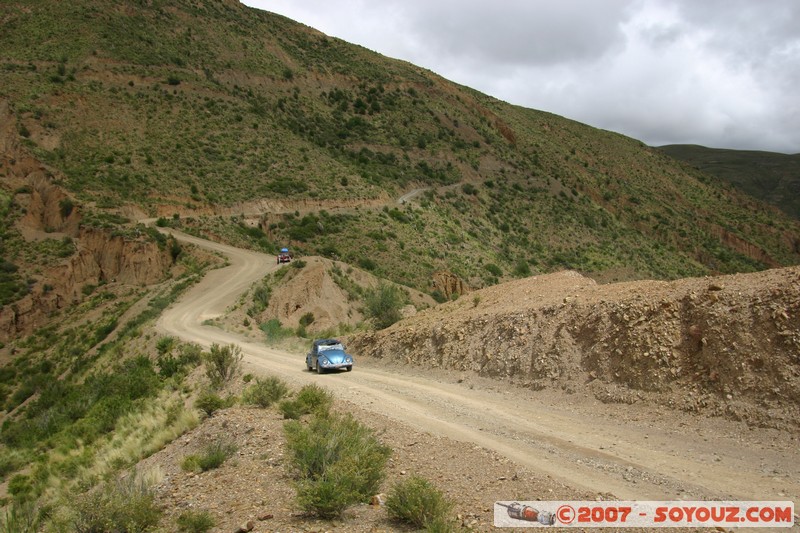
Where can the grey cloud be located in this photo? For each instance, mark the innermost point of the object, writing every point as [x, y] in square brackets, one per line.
[519, 32]
[716, 72]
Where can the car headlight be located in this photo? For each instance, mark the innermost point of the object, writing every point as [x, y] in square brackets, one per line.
[324, 361]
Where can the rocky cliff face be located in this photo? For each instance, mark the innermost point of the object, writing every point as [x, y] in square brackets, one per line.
[48, 207]
[448, 284]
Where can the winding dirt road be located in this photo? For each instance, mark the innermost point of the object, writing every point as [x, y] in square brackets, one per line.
[620, 451]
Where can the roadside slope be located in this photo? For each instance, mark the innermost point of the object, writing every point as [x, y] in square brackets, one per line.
[724, 345]
[627, 451]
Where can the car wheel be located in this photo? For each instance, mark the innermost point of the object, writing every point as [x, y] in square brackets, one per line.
[349, 368]
[319, 368]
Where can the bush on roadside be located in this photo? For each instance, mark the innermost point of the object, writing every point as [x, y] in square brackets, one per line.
[417, 502]
[265, 392]
[311, 398]
[125, 505]
[338, 461]
[210, 457]
[209, 401]
[169, 365]
[383, 304]
[222, 363]
[274, 331]
[195, 521]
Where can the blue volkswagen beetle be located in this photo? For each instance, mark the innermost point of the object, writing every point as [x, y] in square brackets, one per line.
[328, 354]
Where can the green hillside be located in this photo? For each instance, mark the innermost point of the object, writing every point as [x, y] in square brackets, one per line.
[188, 106]
[771, 177]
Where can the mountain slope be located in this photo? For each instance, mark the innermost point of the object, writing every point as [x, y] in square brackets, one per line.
[197, 107]
[771, 177]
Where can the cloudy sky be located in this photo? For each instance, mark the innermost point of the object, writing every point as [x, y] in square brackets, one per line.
[721, 73]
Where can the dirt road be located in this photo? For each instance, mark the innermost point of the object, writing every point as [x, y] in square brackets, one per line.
[619, 451]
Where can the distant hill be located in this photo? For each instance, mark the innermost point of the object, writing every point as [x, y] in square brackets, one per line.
[768, 176]
[189, 109]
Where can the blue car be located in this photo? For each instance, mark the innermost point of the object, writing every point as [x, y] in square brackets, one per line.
[328, 354]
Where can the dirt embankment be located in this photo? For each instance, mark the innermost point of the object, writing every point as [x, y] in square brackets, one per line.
[331, 291]
[727, 345]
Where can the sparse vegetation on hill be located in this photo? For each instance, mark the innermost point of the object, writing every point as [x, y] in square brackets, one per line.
[87, 398]
[216, 105]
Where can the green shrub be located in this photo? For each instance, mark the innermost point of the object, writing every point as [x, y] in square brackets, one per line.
[191, 463]
[195, 521]
[419, 503]
[20, 487]
[208, 402]
[338, 461]
[311, 398]
[367, 263]
[260, 300]
[493, 269]
[65, 207]
[82, 410]
[191, 354]
[168, 365]
[165, 344]
[214, 456]
[20, 518]
[382, 304]
[290, 409]
[123, 506]
[522, 269]
[10, 461]
[437, 295]
[275, 331]
[307, 319]
[265, 392]
[211, 456]
[222, 363]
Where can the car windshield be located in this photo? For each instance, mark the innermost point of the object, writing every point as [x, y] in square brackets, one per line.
[326, 347]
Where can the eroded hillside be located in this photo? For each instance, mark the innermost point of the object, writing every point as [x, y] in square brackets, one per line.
[54, 251]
